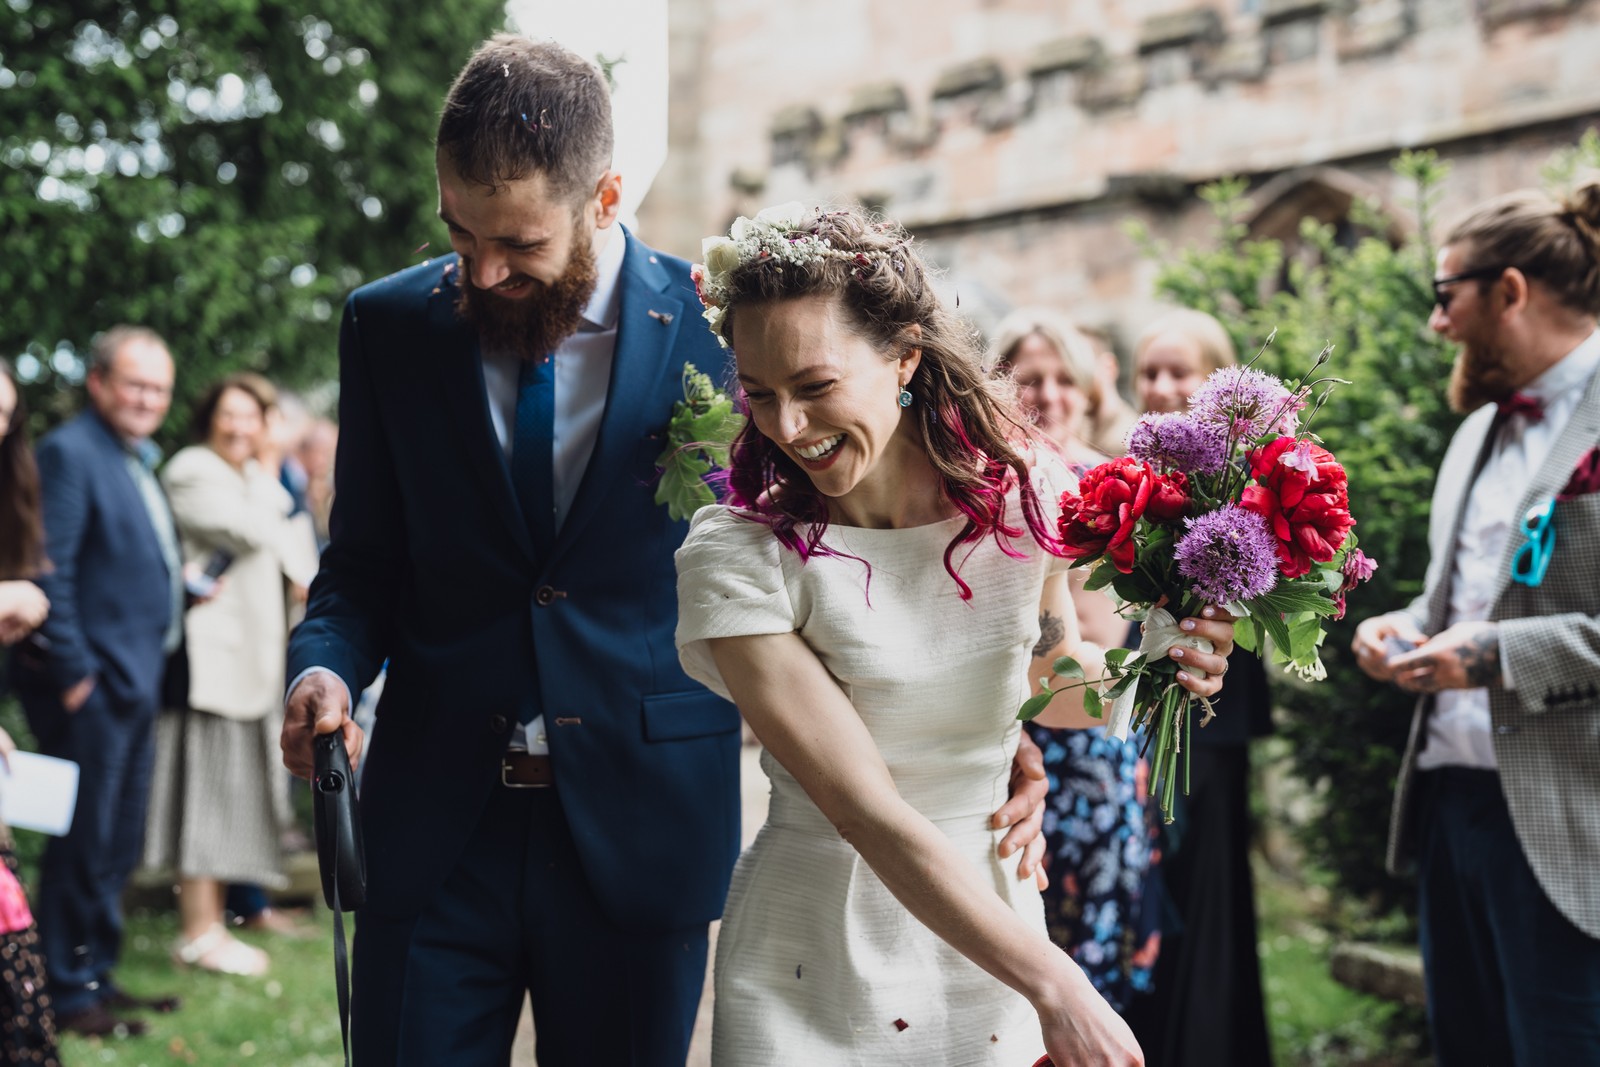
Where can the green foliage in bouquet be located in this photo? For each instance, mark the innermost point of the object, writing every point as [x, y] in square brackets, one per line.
[1371, 300]
[702, 429]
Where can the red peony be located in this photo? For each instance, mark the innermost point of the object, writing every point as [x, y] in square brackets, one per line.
[1303, 494]
[1111, 499]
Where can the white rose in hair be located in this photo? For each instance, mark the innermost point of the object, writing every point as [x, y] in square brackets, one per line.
[786, 216]
[742, 228]
[720, 254]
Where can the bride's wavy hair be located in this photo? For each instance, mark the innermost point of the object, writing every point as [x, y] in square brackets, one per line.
[970, 426]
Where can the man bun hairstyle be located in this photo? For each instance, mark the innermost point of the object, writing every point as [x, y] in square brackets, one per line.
[1553, 242]
[522, 107]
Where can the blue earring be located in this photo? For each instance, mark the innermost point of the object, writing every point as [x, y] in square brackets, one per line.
[905, 397]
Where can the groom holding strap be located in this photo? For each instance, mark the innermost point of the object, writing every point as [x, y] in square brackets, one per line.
[1499, 795]
[551, 807]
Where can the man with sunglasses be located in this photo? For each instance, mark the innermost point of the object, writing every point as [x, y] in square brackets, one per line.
[1498, 799]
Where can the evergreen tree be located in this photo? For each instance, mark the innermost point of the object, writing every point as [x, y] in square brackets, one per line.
[223, 171]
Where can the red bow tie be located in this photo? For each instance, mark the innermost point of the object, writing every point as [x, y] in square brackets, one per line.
[1530, 408]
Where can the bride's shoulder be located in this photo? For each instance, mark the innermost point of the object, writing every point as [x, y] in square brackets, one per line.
[718, 531]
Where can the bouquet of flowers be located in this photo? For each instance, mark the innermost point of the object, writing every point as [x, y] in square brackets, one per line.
[1231, 503]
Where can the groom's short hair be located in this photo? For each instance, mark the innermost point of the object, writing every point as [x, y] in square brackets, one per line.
[521, 106]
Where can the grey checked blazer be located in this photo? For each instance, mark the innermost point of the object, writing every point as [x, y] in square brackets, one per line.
[1547, 731]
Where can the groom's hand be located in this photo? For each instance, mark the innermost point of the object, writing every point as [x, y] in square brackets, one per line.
[320, 704]
[1024, 811]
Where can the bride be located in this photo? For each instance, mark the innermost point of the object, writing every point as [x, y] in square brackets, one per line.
[871, 599]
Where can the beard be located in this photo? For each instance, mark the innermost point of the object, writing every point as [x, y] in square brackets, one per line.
[534, 326]
[1480, 376]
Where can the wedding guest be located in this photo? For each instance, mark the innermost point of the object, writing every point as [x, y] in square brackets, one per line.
[1496, 803]
[1206, 1006]
[27, 1019]
[90, 679]
[220, 800]
[1113, 417]
[1097, 832]
[870, 600]
[496, 538]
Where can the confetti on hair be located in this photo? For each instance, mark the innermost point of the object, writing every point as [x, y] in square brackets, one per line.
[507, 68]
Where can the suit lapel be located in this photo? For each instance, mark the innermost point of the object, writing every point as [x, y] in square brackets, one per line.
[466, 403]
[1439, 601]
[647, 326]
[1577, 437]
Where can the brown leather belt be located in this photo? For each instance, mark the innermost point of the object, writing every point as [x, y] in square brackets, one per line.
[524, 770]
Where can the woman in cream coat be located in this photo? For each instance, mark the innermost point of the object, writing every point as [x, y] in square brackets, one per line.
[220, 794]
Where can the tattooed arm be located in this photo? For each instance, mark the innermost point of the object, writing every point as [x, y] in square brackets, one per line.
[1059, 636]
[1466, 656]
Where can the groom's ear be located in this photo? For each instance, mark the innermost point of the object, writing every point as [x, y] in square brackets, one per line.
[606, 202]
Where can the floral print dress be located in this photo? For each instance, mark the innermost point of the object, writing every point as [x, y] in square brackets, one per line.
[1102, 905]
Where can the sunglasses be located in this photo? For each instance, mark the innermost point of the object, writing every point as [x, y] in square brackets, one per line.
[1533, 557]
[1442, 295]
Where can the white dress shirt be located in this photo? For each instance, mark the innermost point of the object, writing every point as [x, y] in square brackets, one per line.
[1459, 732]
[583, 375]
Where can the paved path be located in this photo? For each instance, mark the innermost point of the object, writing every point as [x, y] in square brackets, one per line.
[754, 785]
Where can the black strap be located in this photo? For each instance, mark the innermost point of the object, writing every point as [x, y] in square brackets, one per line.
[341, 962]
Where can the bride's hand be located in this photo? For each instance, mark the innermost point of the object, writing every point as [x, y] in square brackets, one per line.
[1090, 1034]
[1202, 671]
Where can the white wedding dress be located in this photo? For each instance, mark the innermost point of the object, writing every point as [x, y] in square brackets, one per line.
[817, 963]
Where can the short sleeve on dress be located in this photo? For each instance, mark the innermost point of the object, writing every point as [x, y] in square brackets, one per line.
[730, 584]
[1053, 476]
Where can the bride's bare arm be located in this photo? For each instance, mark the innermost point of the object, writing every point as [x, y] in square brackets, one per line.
[808, 724]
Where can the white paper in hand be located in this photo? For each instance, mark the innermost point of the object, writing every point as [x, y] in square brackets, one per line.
[39, 793]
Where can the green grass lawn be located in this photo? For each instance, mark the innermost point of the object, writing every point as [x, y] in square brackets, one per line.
[1315, 1021]
[286, 1019]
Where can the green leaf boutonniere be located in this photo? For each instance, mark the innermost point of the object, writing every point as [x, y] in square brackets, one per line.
[703, 427]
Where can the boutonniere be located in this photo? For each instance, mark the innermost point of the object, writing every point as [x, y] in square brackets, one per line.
[699, 435]
[1585, 477]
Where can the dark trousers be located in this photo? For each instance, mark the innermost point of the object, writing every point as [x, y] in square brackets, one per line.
[1510, 980]
[517, 917]
[83, 874]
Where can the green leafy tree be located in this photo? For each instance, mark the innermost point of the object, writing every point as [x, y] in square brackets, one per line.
[221, 170]
[1389, 427]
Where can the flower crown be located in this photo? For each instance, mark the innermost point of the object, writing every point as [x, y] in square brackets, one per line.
[774, 234]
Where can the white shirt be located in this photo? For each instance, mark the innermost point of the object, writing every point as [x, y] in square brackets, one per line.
[1459, 731]
[583, 375]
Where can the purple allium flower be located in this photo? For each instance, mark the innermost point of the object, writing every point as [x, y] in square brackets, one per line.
[1175, 442]
[1229, 555]
[1246, 403]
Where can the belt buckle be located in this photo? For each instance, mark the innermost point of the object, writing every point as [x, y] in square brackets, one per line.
[505, 768]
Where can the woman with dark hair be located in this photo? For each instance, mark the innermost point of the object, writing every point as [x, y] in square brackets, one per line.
[870, 599]
[27, 1024]
[218, 801]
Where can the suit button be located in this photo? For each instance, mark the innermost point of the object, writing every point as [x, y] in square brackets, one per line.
[545, 595]
[497, 724]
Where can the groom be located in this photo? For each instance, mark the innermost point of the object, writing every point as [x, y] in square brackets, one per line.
[1499, 796]
[551, 807]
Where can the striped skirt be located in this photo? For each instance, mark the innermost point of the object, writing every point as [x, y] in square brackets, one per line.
[219, 799]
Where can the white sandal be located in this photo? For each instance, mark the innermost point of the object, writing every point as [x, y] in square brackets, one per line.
[217, 950]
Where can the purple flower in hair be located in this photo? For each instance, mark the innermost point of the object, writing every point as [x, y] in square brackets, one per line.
[1246, 403]
[1175, 442]
[1229, 555]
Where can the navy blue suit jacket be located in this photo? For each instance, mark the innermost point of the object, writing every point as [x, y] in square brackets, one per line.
[110, 597]
[431, 565]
